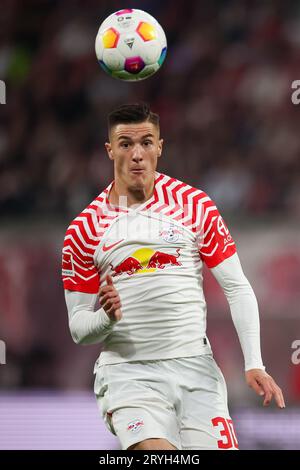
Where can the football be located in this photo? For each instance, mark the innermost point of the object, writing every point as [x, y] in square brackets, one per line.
[131, 45]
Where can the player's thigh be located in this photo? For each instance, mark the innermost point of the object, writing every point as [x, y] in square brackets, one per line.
[205, 420]
[135, 403]
[145, 424]
[153, 444]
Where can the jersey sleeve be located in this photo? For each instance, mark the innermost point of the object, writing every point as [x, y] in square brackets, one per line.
[79, 272]
[215, 241]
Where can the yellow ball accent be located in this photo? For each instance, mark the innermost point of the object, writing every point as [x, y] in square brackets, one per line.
[146, 31]
[109, 38]
[143, 255]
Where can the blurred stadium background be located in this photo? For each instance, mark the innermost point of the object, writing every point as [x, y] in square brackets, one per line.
[230, 128]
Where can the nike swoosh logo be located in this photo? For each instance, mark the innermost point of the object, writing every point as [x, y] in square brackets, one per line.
[109, 247]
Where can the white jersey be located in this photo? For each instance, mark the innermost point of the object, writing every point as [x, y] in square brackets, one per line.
[155, 255]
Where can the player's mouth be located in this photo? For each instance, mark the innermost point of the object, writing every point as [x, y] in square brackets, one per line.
[137, 171]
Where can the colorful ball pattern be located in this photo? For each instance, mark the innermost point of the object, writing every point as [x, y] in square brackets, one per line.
[131, 45]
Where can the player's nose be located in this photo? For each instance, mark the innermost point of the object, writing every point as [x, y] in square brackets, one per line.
[137, 154]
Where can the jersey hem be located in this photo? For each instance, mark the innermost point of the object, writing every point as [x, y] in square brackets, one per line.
[106, 358]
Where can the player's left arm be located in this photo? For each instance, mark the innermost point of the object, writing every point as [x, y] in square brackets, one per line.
[217, 249]
[245, 316]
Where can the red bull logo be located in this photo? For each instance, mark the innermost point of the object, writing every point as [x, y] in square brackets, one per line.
[160, 260]
[146, 260]
[129, 266]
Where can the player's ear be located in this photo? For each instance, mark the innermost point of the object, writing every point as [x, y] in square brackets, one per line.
[160, 146]
[109, 150]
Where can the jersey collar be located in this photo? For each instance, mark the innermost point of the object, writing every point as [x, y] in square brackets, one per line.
[144, 206]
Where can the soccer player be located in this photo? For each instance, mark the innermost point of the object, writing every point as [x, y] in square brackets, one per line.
[139, 249]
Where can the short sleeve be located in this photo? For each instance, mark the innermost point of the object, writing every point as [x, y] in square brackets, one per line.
[216, 243]
[79, 272]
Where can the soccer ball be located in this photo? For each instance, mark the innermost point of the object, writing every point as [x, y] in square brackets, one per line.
[131, 45]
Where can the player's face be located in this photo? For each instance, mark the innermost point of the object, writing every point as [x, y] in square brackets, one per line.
[135, 149]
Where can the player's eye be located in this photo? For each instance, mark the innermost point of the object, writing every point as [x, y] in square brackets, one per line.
[147, 143]
[125, 145]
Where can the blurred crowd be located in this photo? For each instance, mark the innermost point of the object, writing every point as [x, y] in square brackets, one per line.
[223, 94]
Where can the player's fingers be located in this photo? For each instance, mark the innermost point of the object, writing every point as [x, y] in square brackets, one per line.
[264, 384]
[268, 397]
[110, 302]
[109, 280]
[267, 386]
[106, 289]
[117, 305]
[115, 312]
[110, 296]
[278, 395]
[114, 302]
[256, 387]
[107, 295]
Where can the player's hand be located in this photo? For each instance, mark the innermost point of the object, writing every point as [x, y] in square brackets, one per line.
[110, 301]
[265, 385]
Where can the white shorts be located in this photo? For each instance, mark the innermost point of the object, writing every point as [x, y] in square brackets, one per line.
[182, 400]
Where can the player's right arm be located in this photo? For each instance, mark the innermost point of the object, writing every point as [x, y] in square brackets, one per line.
[86, 325]
[81, 279]
[110, 300]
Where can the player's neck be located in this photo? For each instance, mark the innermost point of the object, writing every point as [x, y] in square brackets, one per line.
[123, 196]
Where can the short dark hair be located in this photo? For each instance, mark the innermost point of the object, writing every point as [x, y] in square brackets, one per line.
[131, 113]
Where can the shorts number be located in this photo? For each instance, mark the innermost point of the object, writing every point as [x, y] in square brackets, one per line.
[227, 432]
